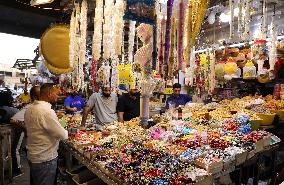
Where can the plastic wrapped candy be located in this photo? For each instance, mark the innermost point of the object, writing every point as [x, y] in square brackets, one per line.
[238, 74]
[231, 67]
[249, 71]
[241, 60]
[245, 129]
[219, 70]
[160, 182]
[242, 119]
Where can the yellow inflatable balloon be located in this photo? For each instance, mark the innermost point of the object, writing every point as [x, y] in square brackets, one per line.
[54, 47]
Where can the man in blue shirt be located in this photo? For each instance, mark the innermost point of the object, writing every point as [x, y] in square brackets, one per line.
[177, 99]
[74, 103]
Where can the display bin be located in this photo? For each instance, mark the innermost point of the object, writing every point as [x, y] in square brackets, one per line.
[255, 124]
[95, 181]
[76, 170]
[207, 180]
[280, 113]
[266, 141]
[251, 154]
[227, 164]
[267, 119]
[84, 177]
[259, 145]
[213, 168]
[241, 158]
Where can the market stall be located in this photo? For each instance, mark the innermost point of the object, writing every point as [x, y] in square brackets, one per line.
[152, 45]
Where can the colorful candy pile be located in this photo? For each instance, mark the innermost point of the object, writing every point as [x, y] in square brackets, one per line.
[177, 151]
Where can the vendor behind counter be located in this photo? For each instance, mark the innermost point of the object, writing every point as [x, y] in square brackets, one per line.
[74, 102]
[177, 99]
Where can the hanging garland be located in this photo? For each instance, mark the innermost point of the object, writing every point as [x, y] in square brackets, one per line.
[247, 20]
[83, 31]
[72, 35]
[93, 73]
[264, 20]
[75, 46]
[161, 48]
[191, 67]
[103, 74]
[97, 35]
[144, 54]
[168, 31]
[240, 19]
[131, 41]
[181, 65]
[272, 49]
[188, 31]
[114, 73]
[108, 29]
[212, 80]
[231, 5]
[194, 17]
[81, 77]
[172, 50]
[118, 17]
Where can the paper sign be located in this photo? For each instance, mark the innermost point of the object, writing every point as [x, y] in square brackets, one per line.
[168, 91]
[126, 75]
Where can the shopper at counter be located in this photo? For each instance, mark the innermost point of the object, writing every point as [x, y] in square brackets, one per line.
[128, 106]
[43, 135]
[103, 105]
[74, 102]
[18, 121]
[6, 105]
[177, 99]
[9, 111]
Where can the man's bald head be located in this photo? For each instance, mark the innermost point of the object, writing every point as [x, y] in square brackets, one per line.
[49, 93]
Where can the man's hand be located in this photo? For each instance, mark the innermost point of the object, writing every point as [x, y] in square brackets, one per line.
[120, 117]
[86, 111]
[74, 109]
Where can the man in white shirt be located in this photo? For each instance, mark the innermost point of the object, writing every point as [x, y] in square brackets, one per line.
[103, 105]
[18, 121]
[43, 135]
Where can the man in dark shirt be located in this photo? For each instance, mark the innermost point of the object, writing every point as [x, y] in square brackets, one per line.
[128, 105]
[177, 99]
